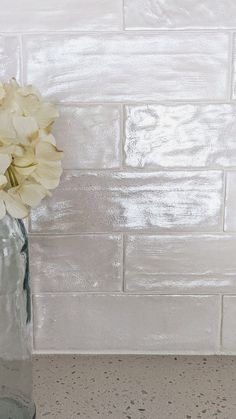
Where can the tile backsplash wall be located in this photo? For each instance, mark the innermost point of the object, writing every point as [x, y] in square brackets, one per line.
[136, 250]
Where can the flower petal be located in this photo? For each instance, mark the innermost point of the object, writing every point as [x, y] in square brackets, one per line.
[46, 115]
[47, 152]
[6, 126]
[3, 180]
[48, 175]
[26, 128]
[32, 193]
[5, 161]
[2, 209]
[14, 205]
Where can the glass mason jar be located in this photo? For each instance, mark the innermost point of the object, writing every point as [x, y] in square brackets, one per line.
[15, 323]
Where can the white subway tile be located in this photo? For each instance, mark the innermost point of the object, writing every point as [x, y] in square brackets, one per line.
[9, 58]
[126, 323]
[230, 202]
[115, 201]
[125, 67]
[89, 136]
[228, 324]
[179, 14]
[60, 15]
[181, 264]
[180, 135]
[76, 263]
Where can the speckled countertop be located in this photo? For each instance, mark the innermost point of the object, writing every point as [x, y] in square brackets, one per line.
[135, 387]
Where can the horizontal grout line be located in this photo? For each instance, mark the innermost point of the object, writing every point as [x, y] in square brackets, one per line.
[102, 352]
[166, 102]
[121, 293]
[179, 102]
[125, 31]
[141, 170]
[133, 233]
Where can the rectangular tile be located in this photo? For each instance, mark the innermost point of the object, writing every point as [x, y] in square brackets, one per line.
[180, 136]
[115, 201]
[9, 58]
[128, 67]
[228, 325]
[230, 202]
[181, 264]
[179, 14]
[76, 263]
[89, 136]
[126, 323]
[60, 15]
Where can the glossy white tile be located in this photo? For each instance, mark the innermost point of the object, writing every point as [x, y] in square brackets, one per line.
[115, 201]
[180, 136]
[60, 15]
[89, 136]
[179, 14]
[181, 264]
[126, 323]
[9, 57]
[76, 263]
[234, 69]
[230, 202]
[228, 325]
[128, 67]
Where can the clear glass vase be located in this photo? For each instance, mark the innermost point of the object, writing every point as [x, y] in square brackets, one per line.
[15, 323]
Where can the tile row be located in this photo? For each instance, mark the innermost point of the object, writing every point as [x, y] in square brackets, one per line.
[155, 136]
[164, 264]
[85, 15]
[167, 65]
[116, 323]
[115, 201]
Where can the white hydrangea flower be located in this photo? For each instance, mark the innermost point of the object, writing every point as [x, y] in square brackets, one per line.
[30, 163]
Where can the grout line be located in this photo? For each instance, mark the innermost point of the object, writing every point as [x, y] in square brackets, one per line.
[121, 137]
[143, 170]
[21, 60]
[163, 102]
[41, 294]
[152, 233]
[123, 263]
[224, 200]
[221, 320]
[127, 31]
[231, 67]
[123, 14]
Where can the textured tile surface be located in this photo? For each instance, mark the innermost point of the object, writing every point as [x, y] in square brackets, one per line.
[120, 67]
[184, 263]
[230, 204]
[180, 135]
[62, 15]
[135, 387]
[76, 263]
[179, 14]
[90, 136]
[105, 201]
[229, 316]
[103, 323]
[9, 57]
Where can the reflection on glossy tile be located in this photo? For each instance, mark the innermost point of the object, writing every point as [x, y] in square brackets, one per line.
[76, 263]
[230, 203]
[9, 57]
[61, 15]
[234, 69]
[229, 316]
[89, 136]
[179, 14]
[181, 264]
[180, 135]
[104, 201]
[120, 67]
[126, 323]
